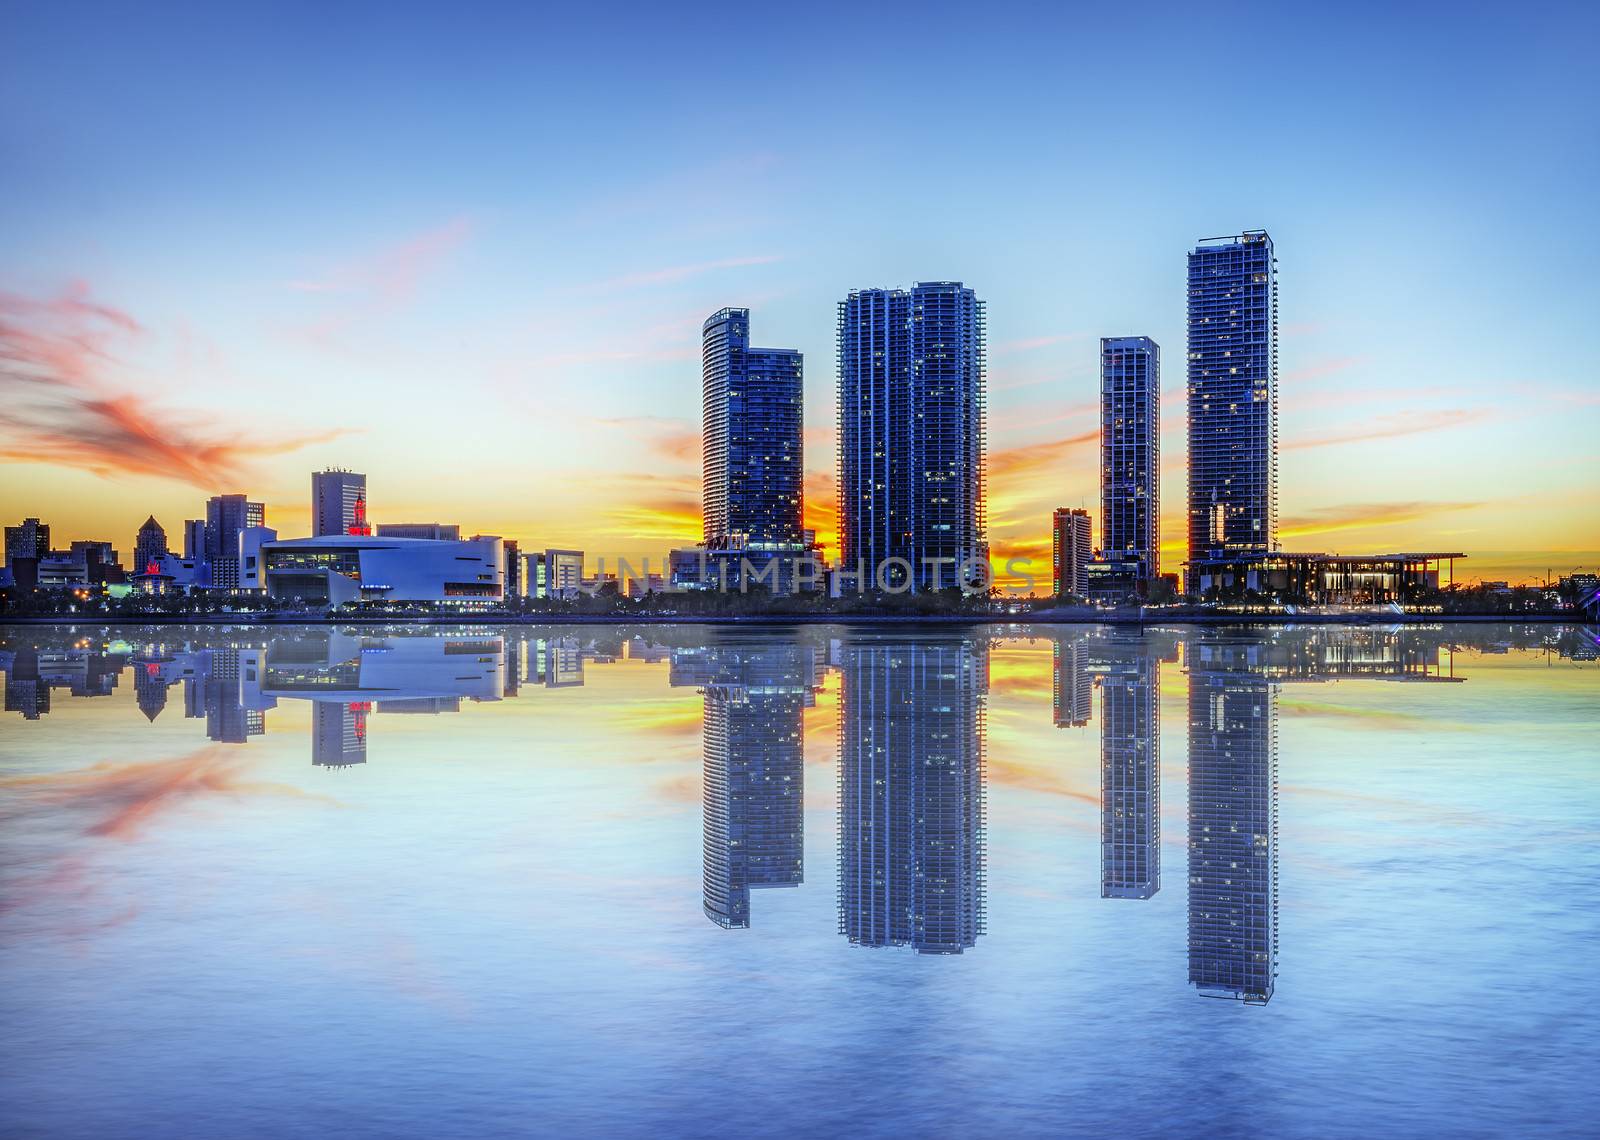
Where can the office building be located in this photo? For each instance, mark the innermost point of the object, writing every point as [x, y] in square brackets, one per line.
[1071, 544]
[338, 502]
[911, 435]
[554, 574]
[512, 573]
[1233, 396]
[1130, 453]
[29, 539]
[911, 794]
[149, 546]
[227, 517]
[194, 540]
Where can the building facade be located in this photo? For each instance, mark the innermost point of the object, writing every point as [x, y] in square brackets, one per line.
[1130, 452]
[912, 435]
[332, 570]
[438, 532]
[338, 502]
[1233, 396]
[29, 539]
[1070, 550]
[227, 517]
[194, 540]
[149, 546]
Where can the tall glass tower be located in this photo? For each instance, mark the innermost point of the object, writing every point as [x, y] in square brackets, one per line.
[1130, 452]
[1233, 396]
[911, 794]
[752, 466]
[911, 433]
[1130, 774]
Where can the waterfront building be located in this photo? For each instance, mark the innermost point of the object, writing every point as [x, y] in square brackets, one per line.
[911, 435]
[149, 546]
[512, 573]
[1130, 453]
[1070, 548]
[29, 539]
[911, 794]
[332, 570]
[554, 574]
[1233, 396]
[338, 502]
[227, 517]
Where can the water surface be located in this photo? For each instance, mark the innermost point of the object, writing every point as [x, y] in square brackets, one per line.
[689, 880]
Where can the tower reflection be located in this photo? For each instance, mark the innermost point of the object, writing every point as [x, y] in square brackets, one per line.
[911, 793]
[1128, 668]
[755, 691]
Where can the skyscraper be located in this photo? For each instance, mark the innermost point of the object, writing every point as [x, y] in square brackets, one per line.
[1233, 824]
[226, 517]
[1233, 396]
[149, 546]
[1070, 543]
[911, 794]
[194, 540]
[752, 474]
[338, 502]
[28, 539]
[1130, 452]
[911, 435]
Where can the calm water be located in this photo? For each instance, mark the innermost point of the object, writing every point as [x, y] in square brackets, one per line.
[678, 880]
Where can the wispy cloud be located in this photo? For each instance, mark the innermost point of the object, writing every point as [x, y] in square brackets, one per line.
[61, 406]
[1029, 344]
[1362, 516]
[1320, 368]
[1390, 426]
[382, 280]
[670, 274]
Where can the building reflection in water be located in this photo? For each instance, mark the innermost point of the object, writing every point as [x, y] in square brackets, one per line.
[1128, 668]
[1233, 823]
[755, 692]
[1071, 683]
[911, 783]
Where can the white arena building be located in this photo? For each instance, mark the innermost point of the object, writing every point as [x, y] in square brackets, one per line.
[337, 568]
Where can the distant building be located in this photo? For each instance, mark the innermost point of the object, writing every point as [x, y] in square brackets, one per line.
[28, 539]
[911, 435]
[438, 532]
[339, 733]
[1070, 548]
[1322, 578]
[99, 559]
[62, 570]
[149, 546]
[514, 563]
[555, 574]
[227, 516]
[338, 502]
[332, 570]
[1233, 397]
[194, 541]
[1130, 452]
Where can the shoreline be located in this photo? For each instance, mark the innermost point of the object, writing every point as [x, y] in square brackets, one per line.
[1049, 617]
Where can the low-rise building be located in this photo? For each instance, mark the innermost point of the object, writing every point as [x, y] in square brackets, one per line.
[333, 570]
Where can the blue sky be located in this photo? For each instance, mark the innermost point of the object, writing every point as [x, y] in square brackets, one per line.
[467, 250]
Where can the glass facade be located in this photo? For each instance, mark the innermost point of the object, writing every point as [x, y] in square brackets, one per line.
[1233, 396]
[1130, 776]
[1130, 452]
[753, 477]
[911, 433]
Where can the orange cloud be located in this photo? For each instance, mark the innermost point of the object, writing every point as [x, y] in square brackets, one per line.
[1359, 516]
[61, 409]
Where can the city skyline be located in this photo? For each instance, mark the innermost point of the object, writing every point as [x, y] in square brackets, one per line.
[510, 343]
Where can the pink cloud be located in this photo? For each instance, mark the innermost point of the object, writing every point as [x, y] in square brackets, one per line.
[673, 273]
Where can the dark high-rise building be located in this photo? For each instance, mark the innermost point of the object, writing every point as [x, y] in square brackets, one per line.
[754, 777]
[512, 569]
[1233, 824]
[1233, 396]
[752, 471]
[28, 539]
[227, 516]
[149, 547]
[338, 502]
[911, 794]
[1130, 452]
[1071, 543]
[1130, 774]
[911, 435]
[194, 540]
